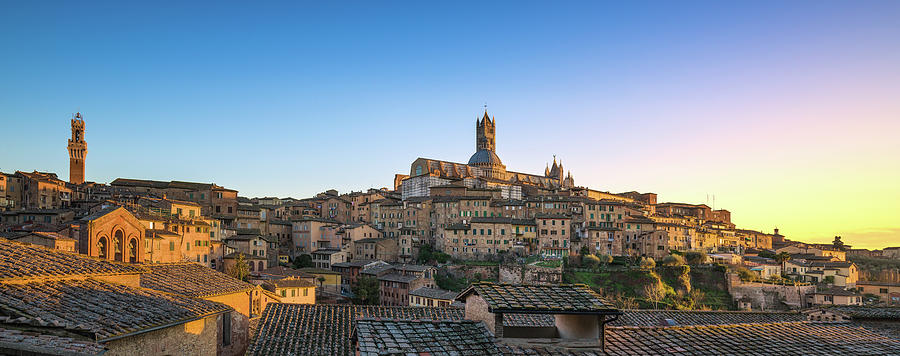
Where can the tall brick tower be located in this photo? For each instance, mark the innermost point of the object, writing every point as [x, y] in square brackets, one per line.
[484, 134]
[77, 150]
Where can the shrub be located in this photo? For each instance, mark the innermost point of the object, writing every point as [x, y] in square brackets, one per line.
[696, 257]
[673, 260]
[647, 263]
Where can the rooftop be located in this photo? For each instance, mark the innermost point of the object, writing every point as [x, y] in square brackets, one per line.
[325, 329]
[550, 299]
[23, 261]
[788, 338]
[434, 293]
[191, 279]
[397, 337]
[100, 309]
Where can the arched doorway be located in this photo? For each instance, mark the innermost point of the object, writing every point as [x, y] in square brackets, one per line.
[251, 265]
[132, 251]
[261, 266]
[118, 241]
[102, 245]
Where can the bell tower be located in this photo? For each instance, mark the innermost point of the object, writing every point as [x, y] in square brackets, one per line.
[484, 134]
[77, 150]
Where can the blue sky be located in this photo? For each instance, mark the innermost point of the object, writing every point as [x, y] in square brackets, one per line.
[765, 104]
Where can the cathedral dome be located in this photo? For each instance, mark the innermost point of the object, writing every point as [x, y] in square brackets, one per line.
[485, 158]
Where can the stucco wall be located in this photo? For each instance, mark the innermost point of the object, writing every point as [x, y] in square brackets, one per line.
[198, 337]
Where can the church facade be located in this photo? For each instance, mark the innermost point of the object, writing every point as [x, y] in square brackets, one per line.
[483, 170]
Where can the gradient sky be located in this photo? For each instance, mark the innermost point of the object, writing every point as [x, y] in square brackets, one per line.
[787, 111]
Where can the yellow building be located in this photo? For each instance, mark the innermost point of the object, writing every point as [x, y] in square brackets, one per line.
[292, 290]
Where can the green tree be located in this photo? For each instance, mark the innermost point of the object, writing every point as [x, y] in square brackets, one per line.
[366, 291]
[696, 257]
[766, 254]
[425, 254]
[745, 274]
[303, 261]
[783, 257]
[240, 269]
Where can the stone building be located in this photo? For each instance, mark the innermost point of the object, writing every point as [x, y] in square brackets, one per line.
[112, 234]
[483, 170]
[136, 319]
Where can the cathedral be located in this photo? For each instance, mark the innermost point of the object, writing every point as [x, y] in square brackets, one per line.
[486, 166]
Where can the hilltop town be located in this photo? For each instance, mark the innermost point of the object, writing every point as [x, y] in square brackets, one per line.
[454, 257]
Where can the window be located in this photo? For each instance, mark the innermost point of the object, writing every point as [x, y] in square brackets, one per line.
[171, 245]
[226, 329]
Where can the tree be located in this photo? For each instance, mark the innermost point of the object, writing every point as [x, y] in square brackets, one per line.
[605, 259]
[766, 254]
[240, 269]
[584, 251]
[321, 281]
[366, 291]
[648, 263]
[783, 257]
[303, 261]
[425, 254]
[696, 257]
[654, 293]
[673, 260]
[745, 274]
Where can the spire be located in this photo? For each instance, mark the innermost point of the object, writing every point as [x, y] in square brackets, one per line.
[485, 119]
[547, 170]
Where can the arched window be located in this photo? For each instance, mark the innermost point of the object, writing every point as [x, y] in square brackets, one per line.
[132, 251]
[118, 241]
[101, 248]
[261, 266]
[251, 265]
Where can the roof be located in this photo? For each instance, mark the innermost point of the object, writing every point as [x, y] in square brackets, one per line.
[377, 268]
[861, 312]
[49, 235]
[790, 338]
[22, 261]
[104, 310]
[325, 329]
[700, 317]
[291, 283]
[503, 220]
[447, 337]
[529, 320]
[434, 293]
[191, 279]
[47, 344]
[485, 157]
[400, 278]
[285, 271]
[551, 299]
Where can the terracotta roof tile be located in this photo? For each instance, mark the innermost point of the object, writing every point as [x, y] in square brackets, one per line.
[788, 338]
[324, 329]
[45, 344]
[446, 337]
[191, 279]
[698, 317]
[22, 261]
[101, 309]
[565, 298]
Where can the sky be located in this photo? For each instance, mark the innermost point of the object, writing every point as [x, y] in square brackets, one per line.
[788, 112]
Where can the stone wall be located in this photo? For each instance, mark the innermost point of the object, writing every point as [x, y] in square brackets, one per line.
[197, 337]
[526, 274]
[764, 296]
